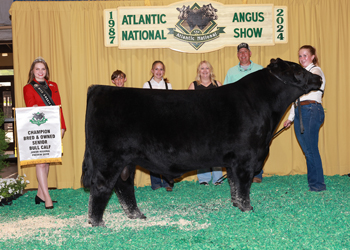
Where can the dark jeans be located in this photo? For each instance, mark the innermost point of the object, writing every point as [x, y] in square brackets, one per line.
[259, 175]
[157, 181]
[312, 117]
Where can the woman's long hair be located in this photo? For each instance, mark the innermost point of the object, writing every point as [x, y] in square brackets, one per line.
[31, 73]
[212, 75]
[312, 52]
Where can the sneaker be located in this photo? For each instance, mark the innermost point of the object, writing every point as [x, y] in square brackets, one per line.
[217, 183]
[204, 183]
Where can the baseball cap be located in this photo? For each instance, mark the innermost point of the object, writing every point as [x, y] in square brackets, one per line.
[243, 45]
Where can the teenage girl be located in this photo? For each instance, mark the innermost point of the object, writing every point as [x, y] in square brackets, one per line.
[312, 115]
[39, 78]
[158, 82]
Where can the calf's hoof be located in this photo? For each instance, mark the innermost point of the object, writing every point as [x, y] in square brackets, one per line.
[246, 209]
[97, 224]
[137, 216]
[243, 208]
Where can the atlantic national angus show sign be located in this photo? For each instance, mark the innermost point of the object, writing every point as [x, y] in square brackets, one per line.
[39, 134]
[195, 27]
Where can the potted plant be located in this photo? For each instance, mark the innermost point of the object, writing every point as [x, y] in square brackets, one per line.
[10, 189]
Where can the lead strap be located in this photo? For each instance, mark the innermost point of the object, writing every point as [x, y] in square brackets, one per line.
[300, 117]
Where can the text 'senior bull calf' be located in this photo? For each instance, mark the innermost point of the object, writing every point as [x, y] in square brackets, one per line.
[173, 132]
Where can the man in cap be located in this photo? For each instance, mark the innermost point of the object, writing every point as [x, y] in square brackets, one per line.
[244, 67]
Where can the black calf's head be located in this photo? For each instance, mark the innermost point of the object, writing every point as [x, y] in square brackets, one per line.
[294, 74]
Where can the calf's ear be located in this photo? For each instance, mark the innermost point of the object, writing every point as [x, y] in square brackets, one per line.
[273, 64]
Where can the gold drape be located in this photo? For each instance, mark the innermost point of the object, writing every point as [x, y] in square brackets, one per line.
[69, 35]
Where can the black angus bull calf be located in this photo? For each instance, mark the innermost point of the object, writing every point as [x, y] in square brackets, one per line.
[173, 132]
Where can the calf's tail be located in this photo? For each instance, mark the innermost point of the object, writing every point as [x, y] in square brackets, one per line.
[87, 166]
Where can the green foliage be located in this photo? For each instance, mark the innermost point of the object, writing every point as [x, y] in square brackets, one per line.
[11, 187]
[3, 144]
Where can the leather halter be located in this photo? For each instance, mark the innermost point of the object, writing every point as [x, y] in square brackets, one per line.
[299, 110]
[304, 87]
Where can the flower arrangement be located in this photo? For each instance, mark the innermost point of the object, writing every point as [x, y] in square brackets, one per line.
[12, 187]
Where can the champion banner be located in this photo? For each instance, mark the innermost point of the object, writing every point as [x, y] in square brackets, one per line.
[39, 134]
[195, 27]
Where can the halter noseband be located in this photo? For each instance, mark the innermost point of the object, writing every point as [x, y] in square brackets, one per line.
[304, 87]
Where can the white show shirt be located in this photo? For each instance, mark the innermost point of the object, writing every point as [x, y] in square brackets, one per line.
[156, 85]
[313, 95]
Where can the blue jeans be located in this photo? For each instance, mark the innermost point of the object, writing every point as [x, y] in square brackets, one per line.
[259, 175]
[157, 181]
[204, 175]
[312, 117]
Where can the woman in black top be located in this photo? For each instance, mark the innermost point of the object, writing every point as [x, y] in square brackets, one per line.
[205, 79]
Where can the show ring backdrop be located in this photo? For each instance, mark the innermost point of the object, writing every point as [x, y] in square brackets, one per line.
[71, 40]
[38, 135]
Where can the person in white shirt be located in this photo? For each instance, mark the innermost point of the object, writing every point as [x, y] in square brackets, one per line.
[312, 114]
[157, 82]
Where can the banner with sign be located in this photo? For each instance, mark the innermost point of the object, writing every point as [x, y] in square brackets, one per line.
[39, 134]
[195, 27]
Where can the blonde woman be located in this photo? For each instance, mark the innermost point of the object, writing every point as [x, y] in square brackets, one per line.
[205, 79]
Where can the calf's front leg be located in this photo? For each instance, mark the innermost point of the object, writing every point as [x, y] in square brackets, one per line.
[240, 189]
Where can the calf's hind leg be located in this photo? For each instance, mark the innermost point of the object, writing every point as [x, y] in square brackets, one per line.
[124, 189]
[99, 196]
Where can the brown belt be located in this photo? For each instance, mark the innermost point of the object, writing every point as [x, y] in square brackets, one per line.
[307, 102]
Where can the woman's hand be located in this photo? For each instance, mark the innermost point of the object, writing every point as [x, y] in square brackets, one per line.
[287, 123]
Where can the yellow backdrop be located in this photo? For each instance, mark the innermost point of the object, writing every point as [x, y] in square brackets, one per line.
[69, 35]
